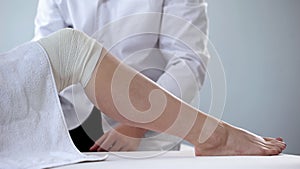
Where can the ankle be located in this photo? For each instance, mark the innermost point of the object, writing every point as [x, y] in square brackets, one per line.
[219, 136]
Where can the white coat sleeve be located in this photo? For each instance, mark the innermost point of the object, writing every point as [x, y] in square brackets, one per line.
[186, 68]
[48, 19]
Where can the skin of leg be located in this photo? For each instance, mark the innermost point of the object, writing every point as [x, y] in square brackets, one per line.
[177, 118]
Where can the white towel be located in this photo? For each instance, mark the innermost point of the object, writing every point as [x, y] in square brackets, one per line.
[33, 132]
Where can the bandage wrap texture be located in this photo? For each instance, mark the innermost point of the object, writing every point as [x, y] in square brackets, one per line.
[73, 56]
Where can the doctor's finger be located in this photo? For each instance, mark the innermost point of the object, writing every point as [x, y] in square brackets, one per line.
[107, 144]
[98, 142]
[117, 146]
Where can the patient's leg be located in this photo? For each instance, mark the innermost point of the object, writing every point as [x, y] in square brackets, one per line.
[176, 118]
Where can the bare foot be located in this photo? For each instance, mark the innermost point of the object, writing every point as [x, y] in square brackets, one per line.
[229, 140]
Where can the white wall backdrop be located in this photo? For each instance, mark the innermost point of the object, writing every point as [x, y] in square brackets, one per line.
[16, 22]
[259, 44]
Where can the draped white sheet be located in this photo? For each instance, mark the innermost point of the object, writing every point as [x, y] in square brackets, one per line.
[33, 132]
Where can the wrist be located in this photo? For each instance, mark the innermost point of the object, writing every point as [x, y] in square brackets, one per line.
[131, 131]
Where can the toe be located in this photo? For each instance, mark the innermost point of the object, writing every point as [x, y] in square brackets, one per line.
[269, 139]
[274, 151]
[276, 142]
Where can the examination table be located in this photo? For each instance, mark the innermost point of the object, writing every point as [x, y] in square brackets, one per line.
[186, 160]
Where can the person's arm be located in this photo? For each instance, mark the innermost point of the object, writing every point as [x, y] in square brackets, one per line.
[186, 69]
[48, 19]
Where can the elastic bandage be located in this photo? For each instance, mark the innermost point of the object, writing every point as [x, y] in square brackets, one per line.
[73, 56]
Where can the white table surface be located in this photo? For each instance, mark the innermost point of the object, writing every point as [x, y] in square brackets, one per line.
[186, 159]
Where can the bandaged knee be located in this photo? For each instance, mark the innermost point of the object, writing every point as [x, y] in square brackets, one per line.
[73, 56]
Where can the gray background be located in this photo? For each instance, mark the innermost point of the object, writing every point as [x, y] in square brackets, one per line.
[259, 44]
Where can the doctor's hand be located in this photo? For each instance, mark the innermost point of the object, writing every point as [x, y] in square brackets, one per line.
[121, 138]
